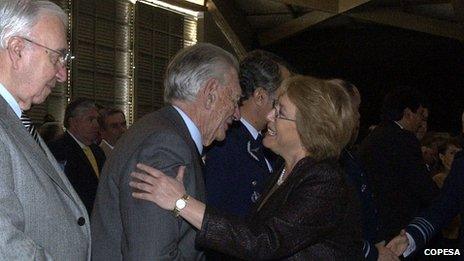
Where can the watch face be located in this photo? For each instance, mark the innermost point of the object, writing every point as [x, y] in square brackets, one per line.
[180, 203]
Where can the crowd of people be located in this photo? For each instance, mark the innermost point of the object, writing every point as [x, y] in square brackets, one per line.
[248, 160]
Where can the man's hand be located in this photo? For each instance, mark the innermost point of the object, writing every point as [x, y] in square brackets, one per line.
[385, 254]
[399, 243]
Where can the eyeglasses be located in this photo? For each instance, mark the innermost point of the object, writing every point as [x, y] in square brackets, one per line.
[61, 57]
[277, 113]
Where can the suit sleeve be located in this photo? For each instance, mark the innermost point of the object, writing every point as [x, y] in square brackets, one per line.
[151, 232]
[423, 227]
[14, 243]
[312, 211]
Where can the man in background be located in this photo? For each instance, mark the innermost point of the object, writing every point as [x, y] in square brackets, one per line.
[81, 159]
[112, 125]
[393, 161]
[238, 167]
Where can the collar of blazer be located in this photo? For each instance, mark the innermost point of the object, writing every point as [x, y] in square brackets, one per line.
[174, 117]
[180, 127]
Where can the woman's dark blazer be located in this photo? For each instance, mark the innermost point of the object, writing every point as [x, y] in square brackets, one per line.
[313, 215]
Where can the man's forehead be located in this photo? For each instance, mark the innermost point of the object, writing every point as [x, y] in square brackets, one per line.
[116, 117]
[90, 112]
[50, 27]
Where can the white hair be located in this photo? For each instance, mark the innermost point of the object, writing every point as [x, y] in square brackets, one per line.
[192, 67]
[17, 17]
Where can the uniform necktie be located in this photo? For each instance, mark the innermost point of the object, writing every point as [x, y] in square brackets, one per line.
[91, 158]
[257, 147]
[265, 152]
[259, 139]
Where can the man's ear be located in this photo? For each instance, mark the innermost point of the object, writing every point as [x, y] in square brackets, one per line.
[260, 96]
[208, 92]
[15, 46]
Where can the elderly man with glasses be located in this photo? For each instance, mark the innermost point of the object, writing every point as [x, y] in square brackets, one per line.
[41, 216]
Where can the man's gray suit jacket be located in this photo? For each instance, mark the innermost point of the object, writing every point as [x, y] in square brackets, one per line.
[124, 228]
[41, 216]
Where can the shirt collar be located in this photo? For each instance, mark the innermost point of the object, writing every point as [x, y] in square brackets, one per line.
[401, 126]
[82, 145]
[108, 144]
[10, 100]
[192, 128]
[250, 128]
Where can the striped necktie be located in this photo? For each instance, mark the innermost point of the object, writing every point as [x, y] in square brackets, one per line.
[27, 122]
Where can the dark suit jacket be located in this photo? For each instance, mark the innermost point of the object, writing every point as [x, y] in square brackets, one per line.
[131, 229]
[234, 176]
[78, 168]
[311, 216]
[449, 204]
[398, 177]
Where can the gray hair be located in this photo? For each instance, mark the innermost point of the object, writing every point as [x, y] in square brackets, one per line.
[77, 108]
[192, 67]
[259, 70]
[17, 17]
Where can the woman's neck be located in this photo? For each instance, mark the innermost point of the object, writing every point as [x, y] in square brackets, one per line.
[291, 160]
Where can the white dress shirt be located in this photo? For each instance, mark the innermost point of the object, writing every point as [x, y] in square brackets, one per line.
[192, 128]
[10, 100]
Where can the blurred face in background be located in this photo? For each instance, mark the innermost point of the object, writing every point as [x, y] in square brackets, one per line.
[415, 120]
[115, 126]
[448, 157]
[84, 126]
[430, 155]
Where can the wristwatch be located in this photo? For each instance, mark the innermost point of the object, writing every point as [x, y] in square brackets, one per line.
[180, 204]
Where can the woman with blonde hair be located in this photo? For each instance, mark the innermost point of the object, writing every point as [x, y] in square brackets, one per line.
[307, 211]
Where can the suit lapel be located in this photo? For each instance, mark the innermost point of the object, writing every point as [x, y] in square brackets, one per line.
[99, 156]
[77, 150]
[33, 152]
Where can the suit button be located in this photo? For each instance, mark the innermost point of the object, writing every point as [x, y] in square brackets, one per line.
[254, 183]
[81, 221]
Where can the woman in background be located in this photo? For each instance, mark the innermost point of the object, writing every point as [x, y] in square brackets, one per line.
[446, 151]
